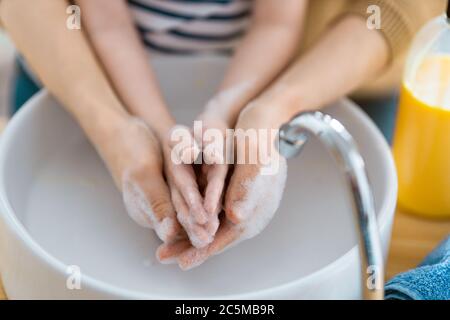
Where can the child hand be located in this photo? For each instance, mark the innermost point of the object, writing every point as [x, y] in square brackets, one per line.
[180, 152]
[214, 166]
[252, 198]
[209, 143]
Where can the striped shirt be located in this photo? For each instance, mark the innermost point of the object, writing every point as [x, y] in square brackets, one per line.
[186, 26]
[191, 26]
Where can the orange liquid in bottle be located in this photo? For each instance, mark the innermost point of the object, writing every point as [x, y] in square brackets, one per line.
[422, 140]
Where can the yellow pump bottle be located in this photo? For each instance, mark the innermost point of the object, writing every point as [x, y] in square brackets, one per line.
[422, 136]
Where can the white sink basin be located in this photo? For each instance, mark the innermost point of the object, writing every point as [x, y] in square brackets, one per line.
[59, 208]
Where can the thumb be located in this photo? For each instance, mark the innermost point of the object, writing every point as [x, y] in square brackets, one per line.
[237, 202]
[253, 196]
[147, 199]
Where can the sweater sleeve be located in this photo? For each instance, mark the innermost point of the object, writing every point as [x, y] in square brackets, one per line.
[400, 19]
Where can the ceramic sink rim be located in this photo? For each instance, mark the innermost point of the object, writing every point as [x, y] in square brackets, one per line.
[386, 209]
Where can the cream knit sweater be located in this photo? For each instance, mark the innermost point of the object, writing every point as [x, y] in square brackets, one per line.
[400, 21]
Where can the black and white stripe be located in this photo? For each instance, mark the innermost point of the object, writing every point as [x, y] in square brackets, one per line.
[191, 26]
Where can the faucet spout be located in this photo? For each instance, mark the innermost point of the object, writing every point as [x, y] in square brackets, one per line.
[293, 136]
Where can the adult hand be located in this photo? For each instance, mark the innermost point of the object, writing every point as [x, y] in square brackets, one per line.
[133, 156]
[253, 194]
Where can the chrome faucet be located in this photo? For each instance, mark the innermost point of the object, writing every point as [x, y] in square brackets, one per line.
[293, 136]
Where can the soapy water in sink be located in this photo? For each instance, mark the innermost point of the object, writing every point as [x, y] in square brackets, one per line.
[74, 211]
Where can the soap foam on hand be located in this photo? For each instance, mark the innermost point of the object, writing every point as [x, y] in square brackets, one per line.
[199, 235]
[255, 210]
[264, 194]
[140, 210]
[227, 98]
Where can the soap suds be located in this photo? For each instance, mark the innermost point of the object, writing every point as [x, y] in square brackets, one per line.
[165, 228]
[264, 194]
[165, 260]
[140, 211]
[197, 234]
[263, 198]
[228, 98]
[213, 224]
[136, 204]
[169, 253]
[192, 258]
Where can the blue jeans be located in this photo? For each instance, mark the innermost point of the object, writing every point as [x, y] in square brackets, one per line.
[383, 111]
[23, 88]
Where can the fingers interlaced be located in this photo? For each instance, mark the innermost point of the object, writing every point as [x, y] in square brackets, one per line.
[197, 234]
[252, 199]
[215, 182]
[188, 257]
[197, 214]
[184, 211]
[214, 167]
[253, 196]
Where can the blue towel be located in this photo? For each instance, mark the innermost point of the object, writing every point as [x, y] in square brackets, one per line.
[429, 281]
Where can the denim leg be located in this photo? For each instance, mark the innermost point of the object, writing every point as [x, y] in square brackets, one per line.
[23, 88]
[383, 112]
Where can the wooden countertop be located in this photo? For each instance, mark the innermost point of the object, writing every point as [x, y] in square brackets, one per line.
[412, 239]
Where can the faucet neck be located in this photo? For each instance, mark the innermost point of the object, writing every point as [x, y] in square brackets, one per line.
[341, 145]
